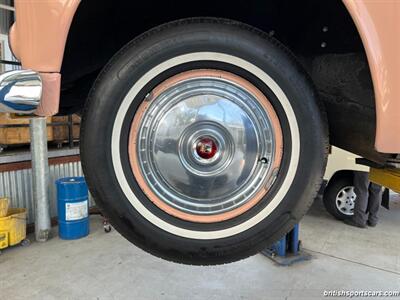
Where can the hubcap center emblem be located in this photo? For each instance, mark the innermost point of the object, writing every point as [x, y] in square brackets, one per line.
[206, 148]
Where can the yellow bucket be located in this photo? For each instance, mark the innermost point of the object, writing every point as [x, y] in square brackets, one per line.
[13, 227]
[3, 207]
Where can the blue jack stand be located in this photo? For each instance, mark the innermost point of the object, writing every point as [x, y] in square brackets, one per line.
[286, 251]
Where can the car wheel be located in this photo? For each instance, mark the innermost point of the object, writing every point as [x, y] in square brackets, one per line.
[339, 197]
[203, 141]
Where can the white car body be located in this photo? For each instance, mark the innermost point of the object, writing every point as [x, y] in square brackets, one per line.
[341, 160]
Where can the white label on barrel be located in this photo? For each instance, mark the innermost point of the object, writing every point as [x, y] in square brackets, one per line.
[76, 211]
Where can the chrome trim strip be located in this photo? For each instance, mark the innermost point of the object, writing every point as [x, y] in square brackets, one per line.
[20, 91]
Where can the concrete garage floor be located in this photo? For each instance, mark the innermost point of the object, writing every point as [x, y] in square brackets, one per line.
[106, 266]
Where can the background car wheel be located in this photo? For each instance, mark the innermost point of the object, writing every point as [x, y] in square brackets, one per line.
[339, 196]
[203, 141]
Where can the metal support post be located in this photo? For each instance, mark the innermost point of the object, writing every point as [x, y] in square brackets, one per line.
[40, 177]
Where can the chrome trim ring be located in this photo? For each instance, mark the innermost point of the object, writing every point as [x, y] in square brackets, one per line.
[345, 200]
[215, 105]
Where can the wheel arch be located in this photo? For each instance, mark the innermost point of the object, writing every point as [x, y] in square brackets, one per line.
[321, 35]
[378, 25]
[308, 28]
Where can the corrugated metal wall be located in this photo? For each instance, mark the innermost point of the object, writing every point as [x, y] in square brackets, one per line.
[6, 20]
[17, 185]
[6, 17]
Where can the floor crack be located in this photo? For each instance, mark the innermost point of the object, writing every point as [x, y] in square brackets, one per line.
[354, 262]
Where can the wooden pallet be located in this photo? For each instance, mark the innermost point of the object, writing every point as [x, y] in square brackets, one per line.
[18, 135]
[60, 133]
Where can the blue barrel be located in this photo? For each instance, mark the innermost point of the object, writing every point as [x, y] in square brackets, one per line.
[73, 208]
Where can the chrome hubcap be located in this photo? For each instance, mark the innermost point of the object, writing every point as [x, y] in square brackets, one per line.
[345, 200]
[206, 146]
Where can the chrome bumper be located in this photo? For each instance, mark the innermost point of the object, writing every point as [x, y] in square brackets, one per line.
[20, 91]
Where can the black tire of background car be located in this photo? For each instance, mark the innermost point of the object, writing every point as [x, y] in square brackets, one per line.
[155, 47]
